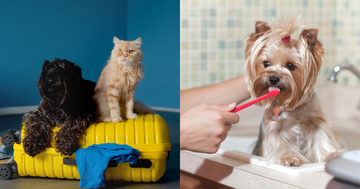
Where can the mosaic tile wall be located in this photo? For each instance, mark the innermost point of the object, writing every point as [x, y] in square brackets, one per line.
[213, 34]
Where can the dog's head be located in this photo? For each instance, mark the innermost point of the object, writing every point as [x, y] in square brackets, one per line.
[273, 59]
[59, 80]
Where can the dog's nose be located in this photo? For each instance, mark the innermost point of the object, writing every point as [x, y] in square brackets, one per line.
[51, 82]
[274, 80]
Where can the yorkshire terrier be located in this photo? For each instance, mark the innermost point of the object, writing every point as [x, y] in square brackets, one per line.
[295, 131]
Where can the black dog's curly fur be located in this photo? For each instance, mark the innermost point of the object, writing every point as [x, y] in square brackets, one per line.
[66, 102]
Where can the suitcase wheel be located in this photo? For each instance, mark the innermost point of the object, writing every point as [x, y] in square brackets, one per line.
[26, 115]
[9, 138]
[5, 171]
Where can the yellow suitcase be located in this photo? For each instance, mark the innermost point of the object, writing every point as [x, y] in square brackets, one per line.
[148, 133]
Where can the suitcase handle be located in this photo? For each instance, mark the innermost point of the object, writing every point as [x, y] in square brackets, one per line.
[141, 163]
[68, 161]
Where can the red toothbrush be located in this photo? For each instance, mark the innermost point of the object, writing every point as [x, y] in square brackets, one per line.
[273, 92]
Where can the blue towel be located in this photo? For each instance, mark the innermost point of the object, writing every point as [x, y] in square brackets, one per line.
[93, 161]
[6, 152]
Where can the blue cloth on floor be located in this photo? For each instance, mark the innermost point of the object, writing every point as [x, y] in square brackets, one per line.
[93, 161]
[6, 152]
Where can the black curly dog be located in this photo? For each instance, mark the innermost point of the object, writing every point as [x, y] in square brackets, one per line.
[66, 102]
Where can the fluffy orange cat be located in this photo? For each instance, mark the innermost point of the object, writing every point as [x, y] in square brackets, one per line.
[114, 92]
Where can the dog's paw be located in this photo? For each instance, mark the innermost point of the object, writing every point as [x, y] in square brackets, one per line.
[132, 116]
[117, 119]
[33, 148]
[332, 155]
[291, 161]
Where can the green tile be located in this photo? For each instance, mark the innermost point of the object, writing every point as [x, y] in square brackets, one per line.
[221, 66]
[221, 55]
[194, 45]
[239, 55]
[203, 45]
[212, 23]
[194, 12]
[203, 66]
[203, 56]
[231, 44]
[221, 76]
[230, 23]
[185, 23]
[212, 78]
[203, 23]
[231, 65]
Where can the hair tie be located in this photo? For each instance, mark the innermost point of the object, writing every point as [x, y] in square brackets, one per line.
[286, 39]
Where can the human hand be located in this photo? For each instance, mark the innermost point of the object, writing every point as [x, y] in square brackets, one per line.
[204, 127]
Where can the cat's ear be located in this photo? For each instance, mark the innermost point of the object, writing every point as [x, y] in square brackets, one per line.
[116, 40]
[138, 42]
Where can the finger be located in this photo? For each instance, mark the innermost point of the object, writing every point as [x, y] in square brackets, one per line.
[222, 107]
[230, 118]
[223, 137]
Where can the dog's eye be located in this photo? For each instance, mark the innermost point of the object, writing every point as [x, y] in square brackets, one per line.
[290, 66]
[266, 64]
[120, 51]
[131, 51]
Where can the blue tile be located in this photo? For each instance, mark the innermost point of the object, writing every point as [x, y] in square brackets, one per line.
[239, 55]
[212, 12]
[347, 4]
[212, 78]
[273, 12]
[248, 2]
[305, 3]
[221, 44]
[204, 34]
[321, 4]
[230, 23]
[238, 43]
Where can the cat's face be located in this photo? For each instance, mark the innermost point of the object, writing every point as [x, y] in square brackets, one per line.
[127, 52]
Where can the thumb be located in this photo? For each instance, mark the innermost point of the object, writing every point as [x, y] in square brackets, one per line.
[223, 107]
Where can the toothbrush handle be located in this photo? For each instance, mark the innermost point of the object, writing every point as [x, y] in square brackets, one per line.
[243, 106]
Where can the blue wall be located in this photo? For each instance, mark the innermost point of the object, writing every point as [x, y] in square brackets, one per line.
[81, 31]
[158, 23]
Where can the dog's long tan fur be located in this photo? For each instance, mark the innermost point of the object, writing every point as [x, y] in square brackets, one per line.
[302, 134]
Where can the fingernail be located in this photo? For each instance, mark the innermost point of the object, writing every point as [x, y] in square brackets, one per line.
[232, 105]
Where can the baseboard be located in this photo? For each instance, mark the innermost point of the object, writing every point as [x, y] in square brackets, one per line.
[166, 109]
[17, 110]
[25, 109]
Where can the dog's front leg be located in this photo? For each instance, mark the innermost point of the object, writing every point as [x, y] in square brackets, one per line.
[280, 144]
[37, 134]
[324, 144]
[67, 137]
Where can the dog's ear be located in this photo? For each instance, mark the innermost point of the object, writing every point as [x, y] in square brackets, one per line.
[310, 35]
[261, 27]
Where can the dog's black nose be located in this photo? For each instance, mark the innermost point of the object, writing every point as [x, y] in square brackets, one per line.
[274, 80]
[51, 82]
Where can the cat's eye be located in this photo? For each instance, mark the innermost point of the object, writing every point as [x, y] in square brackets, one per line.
[290, 66]
[266, 64]
[120, 51]
[131, 51]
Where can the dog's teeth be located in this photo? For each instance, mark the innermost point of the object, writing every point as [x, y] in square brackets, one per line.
[273, 88]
